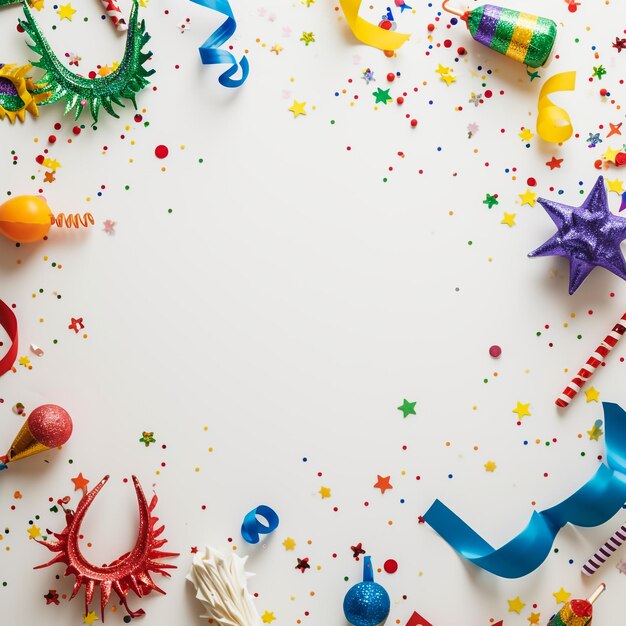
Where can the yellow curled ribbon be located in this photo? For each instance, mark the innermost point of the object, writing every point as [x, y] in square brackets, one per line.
[553, 122]
[369, 33]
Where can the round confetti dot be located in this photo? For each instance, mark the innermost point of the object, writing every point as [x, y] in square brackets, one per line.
[391, 77]
[160, 152]
[413, 123]
[391, 566]
[495, 351]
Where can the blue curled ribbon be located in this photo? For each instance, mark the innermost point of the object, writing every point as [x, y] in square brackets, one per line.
[210, 52]
[593, 504]
[252, 527]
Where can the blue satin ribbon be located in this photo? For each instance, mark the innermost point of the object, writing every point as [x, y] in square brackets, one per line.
[252, 528]
[210, 52]
[593, 504]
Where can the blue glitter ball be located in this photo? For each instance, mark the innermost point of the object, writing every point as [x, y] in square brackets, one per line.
[367, 603]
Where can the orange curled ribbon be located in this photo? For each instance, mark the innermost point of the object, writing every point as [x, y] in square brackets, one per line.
[553, 122]
[367, 32]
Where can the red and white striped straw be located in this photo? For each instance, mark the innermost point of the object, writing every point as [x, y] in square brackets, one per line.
[603, 553]
[588, 369]
[113, 10]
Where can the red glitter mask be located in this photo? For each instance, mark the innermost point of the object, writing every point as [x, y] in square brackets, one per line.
[130, 572]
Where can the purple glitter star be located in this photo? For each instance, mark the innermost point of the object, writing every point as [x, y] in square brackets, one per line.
[589, 235]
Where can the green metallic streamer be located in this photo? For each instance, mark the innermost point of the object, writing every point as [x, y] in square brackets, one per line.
[59, 82]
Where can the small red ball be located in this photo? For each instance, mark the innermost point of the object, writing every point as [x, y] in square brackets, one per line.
[400, 100]
[76, 130]
[431, 28]
[50, 425]
[160, 152]
[603, 92]
[413, 123]
[391, 566]
[52, 139]
[495, 351]
[461, 51]
[391, 77]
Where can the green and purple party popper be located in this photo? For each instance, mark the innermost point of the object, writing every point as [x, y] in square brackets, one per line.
[520, 36]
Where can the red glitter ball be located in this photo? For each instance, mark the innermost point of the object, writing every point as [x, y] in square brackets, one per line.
[390, 566]
[488, 93]
[160, 152]
[461, 51]
[413, 123]
[603, 92]
[391, 77]
[447, 43]
[57, 126]
[495, 351]
[76, 130]
[40, 158]
[431, 27]
[399, 99]
[52, 139]
[138, 118]
[531, 182]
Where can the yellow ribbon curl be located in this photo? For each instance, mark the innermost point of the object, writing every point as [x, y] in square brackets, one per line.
[553, 122]
[369, 33]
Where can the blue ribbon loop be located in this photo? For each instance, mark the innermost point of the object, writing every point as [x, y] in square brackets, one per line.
[210, 52]
[593, 504]
[252, 528]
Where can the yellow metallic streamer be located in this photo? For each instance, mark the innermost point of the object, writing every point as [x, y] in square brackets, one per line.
[367, 32]
[553, 122]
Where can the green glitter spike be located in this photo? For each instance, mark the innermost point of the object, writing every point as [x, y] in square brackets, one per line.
[58, 82]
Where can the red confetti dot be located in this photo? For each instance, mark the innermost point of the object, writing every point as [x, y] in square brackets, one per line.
[620, 159]
[391, 566]
[447, 43]
[572, 7]
[400, 100]
[386, 24]
[603, 92]
[391, 77]
[138, 118]
[431, 28]
[488, 93]
[40, 158]
[461, 51]
[531, 182]
[52, 139]
[495, 351]
[160, 152]
[413, 123]
[57, 126]
[76, 130]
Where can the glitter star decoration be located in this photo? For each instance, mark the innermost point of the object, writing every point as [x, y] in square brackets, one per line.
[589, 235]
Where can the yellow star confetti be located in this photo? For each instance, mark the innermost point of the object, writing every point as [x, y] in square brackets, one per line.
[24, 360]
[592, 394]
[526, 134]
[90, 618]
[34, 532]
[521, 410]
[595, 433]
[490, 466]
[276, 48]
[66, 11]
[289, 544]
[528, 197]
[297, 108]
[509, 219]
[617, 186]
[324, 492]
[561, 596]
[268, 617]
[516, 605]
[534, 618]
[51, 164]
[610, 155]
[448, 79]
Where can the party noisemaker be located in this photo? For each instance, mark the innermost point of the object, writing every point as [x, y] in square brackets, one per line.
[577, 612]
[48, 426]
[28, 218]
[523, 37]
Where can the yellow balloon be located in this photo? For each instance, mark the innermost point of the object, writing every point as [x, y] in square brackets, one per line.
[25, 219]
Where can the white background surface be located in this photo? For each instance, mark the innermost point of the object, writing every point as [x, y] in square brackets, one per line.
[292, 299]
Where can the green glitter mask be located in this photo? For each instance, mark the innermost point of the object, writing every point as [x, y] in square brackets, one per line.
[58, 82]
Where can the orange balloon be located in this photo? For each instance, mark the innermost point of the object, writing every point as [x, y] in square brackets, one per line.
[25, 218]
